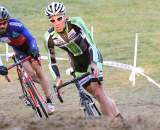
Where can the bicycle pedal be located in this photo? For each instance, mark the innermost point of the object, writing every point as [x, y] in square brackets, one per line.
[27, 103]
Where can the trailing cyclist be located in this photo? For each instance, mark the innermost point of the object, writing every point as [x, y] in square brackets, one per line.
[13, 32]
[72, 35]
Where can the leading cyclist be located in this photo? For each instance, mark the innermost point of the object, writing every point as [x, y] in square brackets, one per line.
[72, 35]
[13, 32]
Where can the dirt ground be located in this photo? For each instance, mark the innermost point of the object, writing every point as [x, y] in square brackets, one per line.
[139, 105]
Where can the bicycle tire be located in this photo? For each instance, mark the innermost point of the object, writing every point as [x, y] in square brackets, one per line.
[28, 96]
[91, 111]
[39, 112]
[38, 99]
[90, 108]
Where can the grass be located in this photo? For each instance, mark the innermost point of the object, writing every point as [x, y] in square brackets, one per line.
[115, 23]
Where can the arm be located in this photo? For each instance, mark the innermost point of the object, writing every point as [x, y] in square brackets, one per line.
[95, 56]
[92, 46]
[51, 57]
[31, 41]
[19, 27]
[93, 49]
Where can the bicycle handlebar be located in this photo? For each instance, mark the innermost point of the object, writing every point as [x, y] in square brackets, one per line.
[57, 88]
[15, 64]
[18, 62]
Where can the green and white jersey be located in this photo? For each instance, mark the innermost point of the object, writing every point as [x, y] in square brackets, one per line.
[76, 40]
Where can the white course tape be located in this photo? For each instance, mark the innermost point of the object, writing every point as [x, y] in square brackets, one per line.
[150, 79]
[123, 66]
[136, 70]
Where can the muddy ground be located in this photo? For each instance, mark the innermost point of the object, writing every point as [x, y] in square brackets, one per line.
[139, 105]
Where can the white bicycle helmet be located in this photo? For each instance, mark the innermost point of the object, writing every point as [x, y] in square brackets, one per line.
[4, 13]
[55, 8]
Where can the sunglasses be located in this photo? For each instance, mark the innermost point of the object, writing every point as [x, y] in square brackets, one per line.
[58, 19]
[3, 23]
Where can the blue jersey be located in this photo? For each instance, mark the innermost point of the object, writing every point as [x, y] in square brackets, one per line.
[18, 37]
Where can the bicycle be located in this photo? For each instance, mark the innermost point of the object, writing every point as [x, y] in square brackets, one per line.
[86, 101]
[30, 93]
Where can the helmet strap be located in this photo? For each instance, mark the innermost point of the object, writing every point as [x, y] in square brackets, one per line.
[66, 27]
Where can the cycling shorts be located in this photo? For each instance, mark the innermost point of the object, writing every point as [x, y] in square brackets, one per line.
[91, 78]
[20, 54]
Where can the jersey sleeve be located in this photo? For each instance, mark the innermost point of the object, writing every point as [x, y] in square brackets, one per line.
[95, 54]
[20, 28]
[54, 71]
[30, 39]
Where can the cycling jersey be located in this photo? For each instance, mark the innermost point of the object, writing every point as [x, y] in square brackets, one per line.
[76, 40]
[18, 37]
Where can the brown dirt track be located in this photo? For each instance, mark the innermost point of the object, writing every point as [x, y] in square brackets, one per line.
[139, 105]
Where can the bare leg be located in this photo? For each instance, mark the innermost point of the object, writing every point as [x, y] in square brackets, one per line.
[27, 66]
[37, 73]
[42, 77]
[107, 105]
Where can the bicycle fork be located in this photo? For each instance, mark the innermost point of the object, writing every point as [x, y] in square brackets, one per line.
[87, 104]
[85, 99]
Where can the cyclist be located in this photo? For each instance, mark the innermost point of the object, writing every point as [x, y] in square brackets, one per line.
[13, 32]
[72, 35]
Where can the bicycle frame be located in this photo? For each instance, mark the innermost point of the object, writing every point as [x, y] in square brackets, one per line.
[56, 89]
[27, 83]
[86, 101]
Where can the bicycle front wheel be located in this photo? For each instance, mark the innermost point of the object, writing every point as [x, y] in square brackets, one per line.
[38, 98]
[27, 95]
[91, 110]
